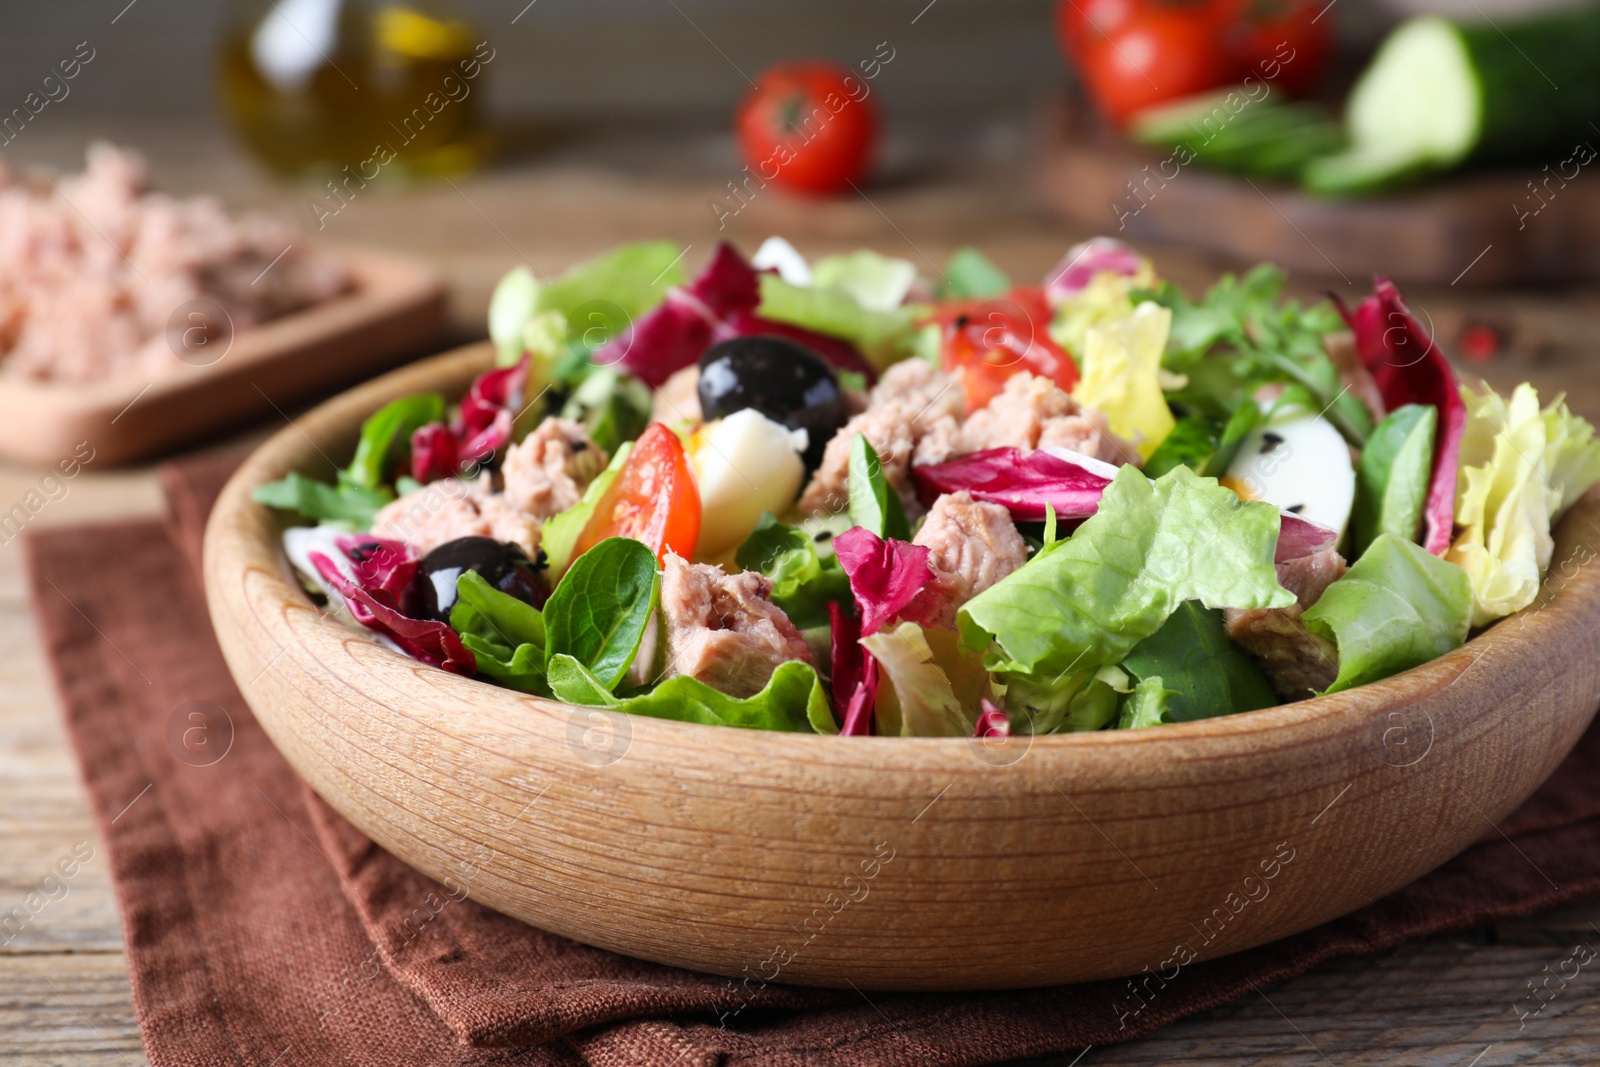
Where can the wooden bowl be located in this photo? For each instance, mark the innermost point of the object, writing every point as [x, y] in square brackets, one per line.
[894, 863]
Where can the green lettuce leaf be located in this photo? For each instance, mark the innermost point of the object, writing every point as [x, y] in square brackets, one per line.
[1087, 601]
[876, 282]
[599, 612]
[558, 538]
[514, 301]
[792, 701]
[1392, 479]
[1396, 608]
[1203, 673]
[1148, 705]
[634, 278]
[504, 634]
[804, 581]
[917, 698]
[344, 502]
[390, 426]
[883, 337]
[970, 276]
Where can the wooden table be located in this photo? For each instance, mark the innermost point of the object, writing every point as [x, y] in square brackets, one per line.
[64, 995]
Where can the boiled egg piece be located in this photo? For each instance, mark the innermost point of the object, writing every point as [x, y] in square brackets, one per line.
[744, 464]
[1300, 462]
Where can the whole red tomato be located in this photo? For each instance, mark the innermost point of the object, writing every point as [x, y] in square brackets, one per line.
[1158, 54]
[988, 341]
[1287, 42]
[809, 127]
[1083, 24]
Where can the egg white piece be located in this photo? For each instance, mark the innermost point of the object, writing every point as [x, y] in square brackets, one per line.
[1300, 462]
[744, 464]
[777, 254]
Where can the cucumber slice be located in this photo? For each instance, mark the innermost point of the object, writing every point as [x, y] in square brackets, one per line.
[1440, 94]
[1417, 109]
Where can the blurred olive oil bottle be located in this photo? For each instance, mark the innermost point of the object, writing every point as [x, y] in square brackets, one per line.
[315, 86]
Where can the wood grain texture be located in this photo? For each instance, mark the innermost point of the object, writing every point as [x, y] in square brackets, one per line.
[395, 311]
[1431, 235]
[896, 863]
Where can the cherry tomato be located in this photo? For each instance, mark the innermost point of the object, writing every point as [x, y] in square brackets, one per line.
[808, 127]
[1083, 24]
[1157, 55]
[654, 499]
[988, 341]
[1288, 43]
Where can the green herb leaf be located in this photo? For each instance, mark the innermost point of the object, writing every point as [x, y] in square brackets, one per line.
[873, 504]
[599, 612]
[792, 701]
[346, 502]
[970, 276]
[391, 425]
[803, 581]
[1398, 607]
[1192, 443]
[1392, 479]
[1205, 674]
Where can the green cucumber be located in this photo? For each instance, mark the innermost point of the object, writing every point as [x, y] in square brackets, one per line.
[1232, 132]
[1440, 94]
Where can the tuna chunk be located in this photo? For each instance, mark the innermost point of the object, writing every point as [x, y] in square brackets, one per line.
[724, 629]
[1090, 434]
[445, 510]
[911, 402]
[971, 547]
[1033, 412]
[547, 472]
[1296, 661]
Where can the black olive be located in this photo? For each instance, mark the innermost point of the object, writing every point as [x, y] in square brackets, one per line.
[504, 566]
[782, 379]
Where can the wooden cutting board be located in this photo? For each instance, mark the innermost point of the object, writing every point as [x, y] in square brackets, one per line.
[395, 311]
[1481, 229]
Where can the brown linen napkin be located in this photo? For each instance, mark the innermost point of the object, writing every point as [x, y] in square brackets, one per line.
[260, 924]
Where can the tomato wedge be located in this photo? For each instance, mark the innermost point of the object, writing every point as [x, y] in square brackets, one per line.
[653, 500]
[988, 341]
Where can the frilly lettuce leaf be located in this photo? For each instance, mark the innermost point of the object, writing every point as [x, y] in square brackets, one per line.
[1104, 300]
[876, 282]
[883, 337]
[1398, 607]
[1520, 466]
[1146, 706]
[1087, 601]
[969, 275]
[804, 581]
[793, 699]
[1121, 364]
[920, 699]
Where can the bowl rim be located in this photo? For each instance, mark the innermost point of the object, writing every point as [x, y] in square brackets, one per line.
[338, 418]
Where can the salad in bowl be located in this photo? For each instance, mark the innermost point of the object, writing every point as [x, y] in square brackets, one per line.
[846, 497]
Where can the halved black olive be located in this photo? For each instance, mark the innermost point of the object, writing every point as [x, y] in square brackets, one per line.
[504, 566]
[782, 379]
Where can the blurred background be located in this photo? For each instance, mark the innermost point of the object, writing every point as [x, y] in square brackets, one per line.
[612, 120]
